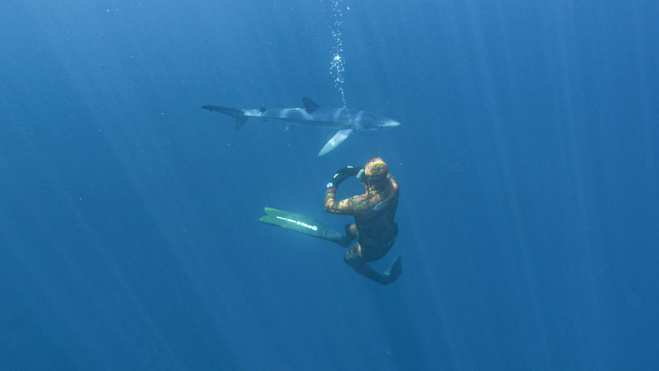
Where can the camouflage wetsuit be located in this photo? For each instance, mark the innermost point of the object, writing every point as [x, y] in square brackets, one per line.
[374, 226]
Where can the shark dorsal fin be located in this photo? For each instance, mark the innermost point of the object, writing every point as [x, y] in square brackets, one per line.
[309, 105]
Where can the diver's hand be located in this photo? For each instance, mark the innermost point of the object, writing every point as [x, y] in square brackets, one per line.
[343, 174]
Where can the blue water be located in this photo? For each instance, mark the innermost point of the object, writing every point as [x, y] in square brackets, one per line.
[527, 160]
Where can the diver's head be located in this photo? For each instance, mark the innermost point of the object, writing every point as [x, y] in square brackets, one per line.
[375, 173]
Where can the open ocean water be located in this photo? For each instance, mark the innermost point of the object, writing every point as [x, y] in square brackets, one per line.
[527, 160]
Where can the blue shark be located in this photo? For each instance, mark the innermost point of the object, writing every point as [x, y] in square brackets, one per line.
[343, 119]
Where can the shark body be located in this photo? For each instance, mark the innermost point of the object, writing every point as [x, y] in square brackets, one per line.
[345, 120]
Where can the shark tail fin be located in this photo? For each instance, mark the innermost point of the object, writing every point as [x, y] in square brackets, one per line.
[237, 113]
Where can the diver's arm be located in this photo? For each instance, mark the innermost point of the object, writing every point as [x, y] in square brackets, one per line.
[333, 206]
[344, 206]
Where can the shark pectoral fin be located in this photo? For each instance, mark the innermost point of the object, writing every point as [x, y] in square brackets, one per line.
[337, 139]
[240, 121]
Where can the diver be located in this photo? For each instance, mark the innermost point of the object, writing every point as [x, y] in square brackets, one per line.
[374, 211]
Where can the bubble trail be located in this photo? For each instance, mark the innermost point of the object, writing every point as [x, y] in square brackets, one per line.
[337, 64]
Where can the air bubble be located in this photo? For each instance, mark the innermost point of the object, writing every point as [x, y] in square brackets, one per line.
[337, 64]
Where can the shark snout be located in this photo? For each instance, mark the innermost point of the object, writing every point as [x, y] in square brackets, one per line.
[390, 124]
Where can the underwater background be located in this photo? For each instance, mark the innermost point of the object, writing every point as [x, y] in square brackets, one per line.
[527, 160]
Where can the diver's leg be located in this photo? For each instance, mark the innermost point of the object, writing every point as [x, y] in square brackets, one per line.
[351, 234]
[337, 238]
[351, 231]
[359, 264]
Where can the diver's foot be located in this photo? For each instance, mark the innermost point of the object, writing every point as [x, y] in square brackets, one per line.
[393, 272]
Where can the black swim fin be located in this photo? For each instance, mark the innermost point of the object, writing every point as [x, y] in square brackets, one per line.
[302, 224]
[393, 272]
